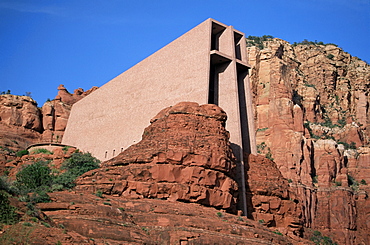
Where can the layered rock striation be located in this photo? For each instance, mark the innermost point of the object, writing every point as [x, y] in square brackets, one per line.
[22, 123]
[184, 155]
[271, 201]
[311, 107]
[56, 113]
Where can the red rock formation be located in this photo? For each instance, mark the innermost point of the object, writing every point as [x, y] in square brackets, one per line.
[183, 155]
[117, 220]
[325, 90]
[157, 190]
[56, 112]
[271, 202]
[68, 98]
[20, 121]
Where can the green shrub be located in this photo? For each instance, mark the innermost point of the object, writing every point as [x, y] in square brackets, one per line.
[258, 41]
[27, 224]
[306, 42]
[40, 196]
[42, 150]
[363, 182]
[330, 56]
[34, 176]
[65, 148]
[269, 155]
[262, 129]
[219, 214]
[65, 180]
[314, 179]
[80, 163]
[46, 224]
[7, 187]
[342, 122]
[22, 153]
[309, 85]
[261, 147]
[7, 212]
[318, 238]
[99, 193]
[278, 233]
[351, 180]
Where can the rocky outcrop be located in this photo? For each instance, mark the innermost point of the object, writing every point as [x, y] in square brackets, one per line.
[312, 114]
[20, 121]
[68, 98]
[56, 112]
[83, 218]
[176, 186]
[184, 155]
[56, 157]
[271, 202]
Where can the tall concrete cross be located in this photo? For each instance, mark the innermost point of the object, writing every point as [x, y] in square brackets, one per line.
[208, 64]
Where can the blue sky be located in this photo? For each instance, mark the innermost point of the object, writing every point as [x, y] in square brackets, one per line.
[85, 43]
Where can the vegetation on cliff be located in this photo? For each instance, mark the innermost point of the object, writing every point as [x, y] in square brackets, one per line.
[33, 181]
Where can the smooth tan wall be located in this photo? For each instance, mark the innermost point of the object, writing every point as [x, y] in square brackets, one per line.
[115, 115]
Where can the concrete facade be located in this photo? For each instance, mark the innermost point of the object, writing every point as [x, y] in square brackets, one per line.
[208, 64]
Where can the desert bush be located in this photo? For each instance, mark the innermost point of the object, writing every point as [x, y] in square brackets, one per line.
[258, 41]
[34, 176]
[42, 150]
[75, 166]
[80, 163]
[318, 238]
[22, 153]
[39, 196]
[7, 212]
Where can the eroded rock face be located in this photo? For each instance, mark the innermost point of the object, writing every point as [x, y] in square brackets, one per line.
[312, 114]
[88, 219]
[184, 155]
[20, 121]
[56, 112]
[272, 201]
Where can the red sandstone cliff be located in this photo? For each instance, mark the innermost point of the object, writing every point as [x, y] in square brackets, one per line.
[22, 123]
[56, 112]
[173, 187]
[312, 117]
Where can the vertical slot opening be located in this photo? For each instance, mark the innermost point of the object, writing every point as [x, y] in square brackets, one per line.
[217, 31]
[213, 87]
[237, 40]
[217, 67]
[242, 73]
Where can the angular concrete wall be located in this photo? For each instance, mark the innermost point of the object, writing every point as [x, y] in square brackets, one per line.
[205, 65]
